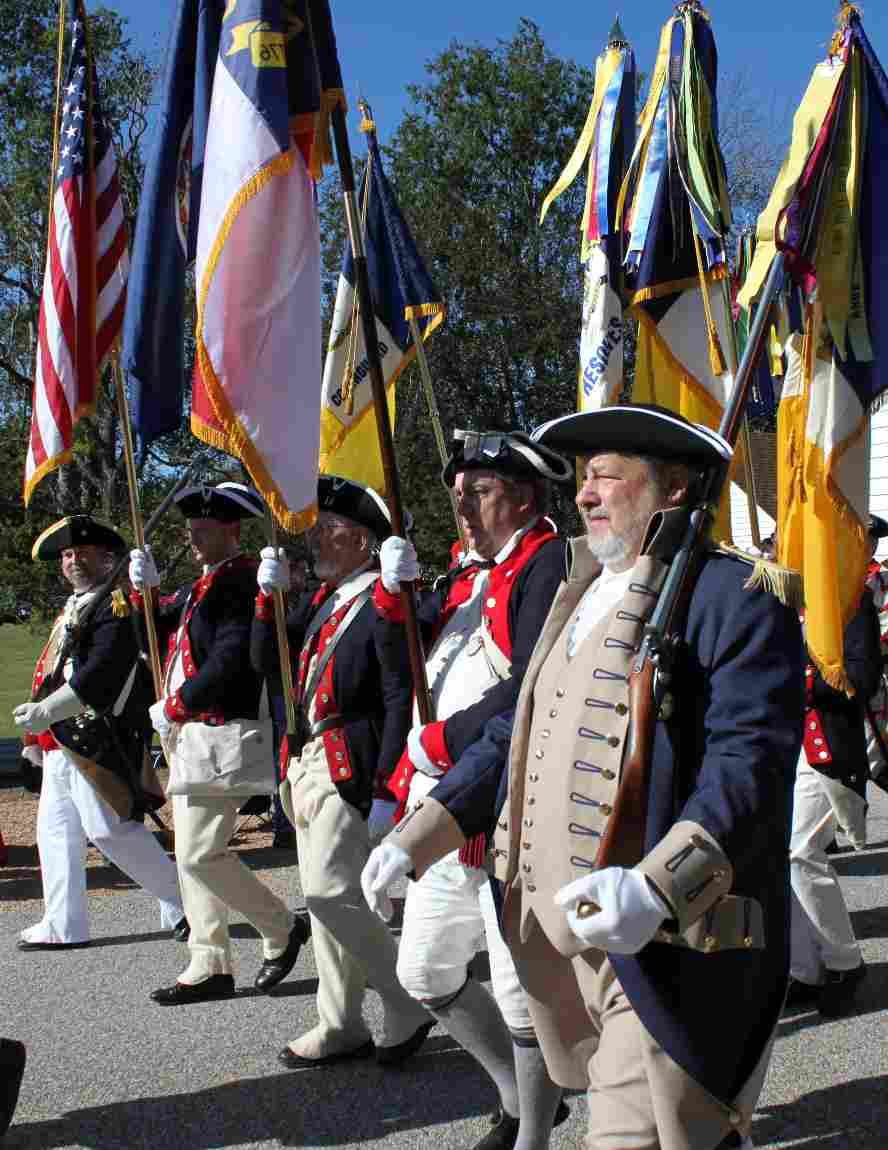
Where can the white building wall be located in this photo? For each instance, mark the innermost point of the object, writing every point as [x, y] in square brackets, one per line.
[765, 472]
[878, 494]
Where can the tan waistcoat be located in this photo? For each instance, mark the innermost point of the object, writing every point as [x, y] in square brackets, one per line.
[567, 747]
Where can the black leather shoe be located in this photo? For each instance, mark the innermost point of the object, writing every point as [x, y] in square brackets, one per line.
[275, 970]
[297, 1062]
[22, 945]
[182, 930]
[284, 840]
[839, 991]
[504, 1134]
[390, 1056]
[12, 1067]
[256, 805]
[802, 993]
[216, 986]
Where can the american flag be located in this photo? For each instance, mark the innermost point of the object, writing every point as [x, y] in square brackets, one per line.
[87, 262]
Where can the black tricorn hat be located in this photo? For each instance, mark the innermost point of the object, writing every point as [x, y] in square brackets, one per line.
[878, 527]
[354, 501]
[635, 429]
[226, 502]
[75, 531]
[508, 452]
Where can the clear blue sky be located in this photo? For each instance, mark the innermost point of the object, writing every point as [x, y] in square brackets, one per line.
[383, 46]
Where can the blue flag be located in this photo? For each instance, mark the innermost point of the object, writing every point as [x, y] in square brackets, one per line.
[166, 231]
[401, 289]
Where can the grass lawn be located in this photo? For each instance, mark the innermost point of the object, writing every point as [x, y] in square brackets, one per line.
[19, 648]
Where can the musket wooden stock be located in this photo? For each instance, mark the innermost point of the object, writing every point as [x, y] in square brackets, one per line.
[623, 841]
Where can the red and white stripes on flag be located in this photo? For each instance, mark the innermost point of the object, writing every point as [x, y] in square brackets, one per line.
[87, 262]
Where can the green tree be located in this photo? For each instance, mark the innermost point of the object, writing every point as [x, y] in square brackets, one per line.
[484, 141]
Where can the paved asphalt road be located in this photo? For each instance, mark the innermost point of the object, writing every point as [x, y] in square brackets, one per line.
[109, 1070]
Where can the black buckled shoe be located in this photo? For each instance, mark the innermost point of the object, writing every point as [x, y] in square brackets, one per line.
[181, 993]
[299, 1062]
[801, 993]
[504, 1134]
[839, 991]
[275, 970]
[182, 930]
[23, 945]
[391, 1056]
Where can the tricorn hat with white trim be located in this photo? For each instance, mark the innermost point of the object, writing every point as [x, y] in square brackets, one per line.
[354, 501]
[226, 502]
[75, 531]
[511, 453]
[635, 429]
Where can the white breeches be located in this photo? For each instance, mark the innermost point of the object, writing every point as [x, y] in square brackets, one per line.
[351, 944]
[70, 812]
[822, 937]
[446, 916]
[213, 879]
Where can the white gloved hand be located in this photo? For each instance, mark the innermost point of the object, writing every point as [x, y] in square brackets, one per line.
[631, 913]
[143, 569]
[159, 720]
[274, 570]
[398, 563]
[381, 818]
[38, 717]
[387, 863]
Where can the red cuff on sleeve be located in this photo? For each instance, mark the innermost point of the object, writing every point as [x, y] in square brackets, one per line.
[388, 605]
[264, 607]
[399, 781]
[435, 745]
[137, 600]
[175, 710]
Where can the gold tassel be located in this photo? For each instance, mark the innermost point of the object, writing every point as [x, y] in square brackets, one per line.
[120, 606]
[782, 582]
[716, 356]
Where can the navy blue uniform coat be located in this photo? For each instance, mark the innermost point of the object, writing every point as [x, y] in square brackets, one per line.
[726, 760]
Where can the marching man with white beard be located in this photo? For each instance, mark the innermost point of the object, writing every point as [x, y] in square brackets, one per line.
[656, 986]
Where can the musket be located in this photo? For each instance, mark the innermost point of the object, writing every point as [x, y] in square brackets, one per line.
[650, 680]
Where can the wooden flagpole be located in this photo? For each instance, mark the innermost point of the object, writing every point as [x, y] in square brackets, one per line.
[745, 439]
[377, 384]
[283, 641]
[57, 115]
[368, 126]
[136, 519]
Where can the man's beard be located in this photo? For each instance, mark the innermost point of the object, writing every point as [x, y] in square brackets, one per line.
[610, 548]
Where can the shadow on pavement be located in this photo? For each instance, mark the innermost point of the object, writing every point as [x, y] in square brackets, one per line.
[20, 879]
[867, 864]
[870, 923]
[847, 1116]
[353, 1103]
